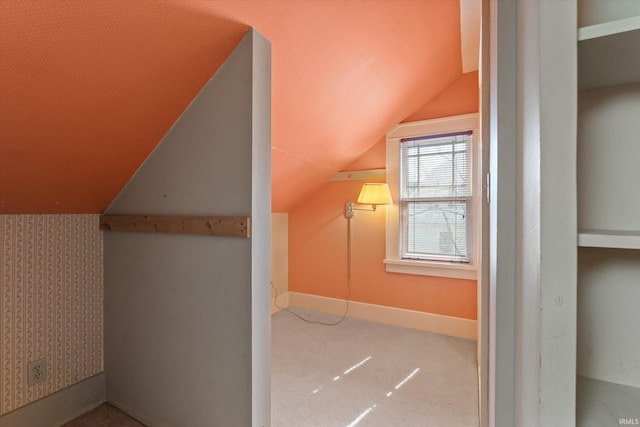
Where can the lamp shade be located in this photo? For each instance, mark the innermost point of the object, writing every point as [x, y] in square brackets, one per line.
[375, 194]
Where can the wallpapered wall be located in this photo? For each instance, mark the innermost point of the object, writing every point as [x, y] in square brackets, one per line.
[50, 301]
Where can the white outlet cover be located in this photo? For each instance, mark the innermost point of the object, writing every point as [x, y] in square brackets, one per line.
[36, 372]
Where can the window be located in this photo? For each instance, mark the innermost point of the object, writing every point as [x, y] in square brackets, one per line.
[431, 167]
[435, 198]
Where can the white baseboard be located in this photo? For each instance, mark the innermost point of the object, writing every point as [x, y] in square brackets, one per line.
[445, 325]
[60, 407]
[283, 301]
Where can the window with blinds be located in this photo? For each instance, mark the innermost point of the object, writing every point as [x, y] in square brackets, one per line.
[435, 198]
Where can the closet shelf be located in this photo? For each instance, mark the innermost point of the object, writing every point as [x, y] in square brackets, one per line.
[608, 53]
[601, 403]
[609, 239]
[609, 28]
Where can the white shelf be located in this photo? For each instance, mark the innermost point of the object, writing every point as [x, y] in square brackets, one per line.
[604, 404]
[609, 53]
[609, 28]
[609, 239]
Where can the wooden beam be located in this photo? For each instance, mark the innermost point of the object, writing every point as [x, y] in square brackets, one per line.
[230, 226]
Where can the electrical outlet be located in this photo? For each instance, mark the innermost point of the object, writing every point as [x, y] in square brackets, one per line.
[36, 372]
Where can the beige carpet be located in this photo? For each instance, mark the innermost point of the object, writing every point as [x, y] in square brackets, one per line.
[357, 373]
[361, 373]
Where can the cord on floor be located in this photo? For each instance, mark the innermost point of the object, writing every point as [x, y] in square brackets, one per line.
[346, 310]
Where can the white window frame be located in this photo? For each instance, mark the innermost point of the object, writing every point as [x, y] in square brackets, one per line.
[393, 262]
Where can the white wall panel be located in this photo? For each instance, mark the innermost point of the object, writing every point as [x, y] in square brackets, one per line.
[187, 317]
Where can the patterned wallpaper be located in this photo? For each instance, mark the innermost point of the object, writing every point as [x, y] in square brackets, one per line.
[50, 303]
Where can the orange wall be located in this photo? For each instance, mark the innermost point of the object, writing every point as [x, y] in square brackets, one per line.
[119, 74]
[461, 97]
[318, 238]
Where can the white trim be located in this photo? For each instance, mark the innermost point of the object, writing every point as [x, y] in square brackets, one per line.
[60, 407]
[484, 374]
[434, 126]
[440, 324]
[393, 262]
[359, 175]
[428, 268]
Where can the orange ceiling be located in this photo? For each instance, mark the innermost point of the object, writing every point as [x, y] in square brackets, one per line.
[88, 88]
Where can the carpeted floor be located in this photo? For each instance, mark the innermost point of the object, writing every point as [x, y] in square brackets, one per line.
[356, 373]
[368, 374]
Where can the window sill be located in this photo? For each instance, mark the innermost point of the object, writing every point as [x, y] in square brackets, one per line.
[430, 268]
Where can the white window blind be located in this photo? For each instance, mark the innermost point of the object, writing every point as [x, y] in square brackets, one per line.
[435, 198]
